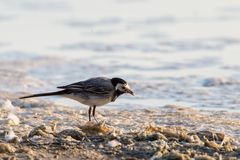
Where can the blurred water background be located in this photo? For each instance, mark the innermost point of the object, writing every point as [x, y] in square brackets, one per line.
[172, 52]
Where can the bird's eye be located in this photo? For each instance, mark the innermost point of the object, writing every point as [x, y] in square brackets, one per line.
[123, 87]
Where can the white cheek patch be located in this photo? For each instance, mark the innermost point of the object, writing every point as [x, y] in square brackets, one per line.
[118, 87]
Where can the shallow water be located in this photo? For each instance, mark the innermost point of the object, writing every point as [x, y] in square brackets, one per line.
[170, 52]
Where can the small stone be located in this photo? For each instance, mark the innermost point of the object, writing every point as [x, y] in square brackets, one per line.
[204, 157]
[75, 134]
[157, 155]
[6, 148]
[11, 137]
[26, 150]
[12, 119]
[176, 155]
[113, 143]
[39, 131]
[9, 158]
[13, 158]
[212, 144]
[101, 146]
[7, 105]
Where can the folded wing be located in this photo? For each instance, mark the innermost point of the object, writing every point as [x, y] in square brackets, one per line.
[99, 85]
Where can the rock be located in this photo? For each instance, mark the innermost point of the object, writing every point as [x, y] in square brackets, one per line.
[157, 155]
[6, 148]
[54, 126]
[210, 82]
[9, 158]
[212, 144]
[101, 146]
[176, 155]
[38, 131]
[204, 157]
[7, 105]
[26, 150]
[150, 137]
[91, 128]
[113, 143]
[77, 135]
[12, 119]
[11, 137]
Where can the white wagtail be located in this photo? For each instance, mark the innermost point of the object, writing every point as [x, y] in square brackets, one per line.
[93, 92]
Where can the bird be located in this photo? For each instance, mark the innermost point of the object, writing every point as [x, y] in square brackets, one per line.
[93, 92]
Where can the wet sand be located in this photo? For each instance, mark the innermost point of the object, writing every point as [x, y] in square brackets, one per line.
[46, 130]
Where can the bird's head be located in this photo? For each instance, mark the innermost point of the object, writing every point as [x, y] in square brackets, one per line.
[121, 86]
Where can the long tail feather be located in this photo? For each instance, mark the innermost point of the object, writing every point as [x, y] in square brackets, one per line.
[45, 94]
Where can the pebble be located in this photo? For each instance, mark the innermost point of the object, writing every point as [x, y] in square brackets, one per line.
[10, 136]
[12, 119]
[113, 143]
[6, 148]
[101, 146]
[26, 150]
[7, 105]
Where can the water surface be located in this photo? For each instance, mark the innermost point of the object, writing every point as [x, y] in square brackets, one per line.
[171, 52]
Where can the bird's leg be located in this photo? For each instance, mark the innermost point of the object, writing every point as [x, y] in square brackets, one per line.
[94, 107]
[89, 112]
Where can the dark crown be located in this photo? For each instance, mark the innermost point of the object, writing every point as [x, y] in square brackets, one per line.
[115, 81]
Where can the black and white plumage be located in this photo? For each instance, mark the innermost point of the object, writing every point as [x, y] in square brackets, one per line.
[93, 92]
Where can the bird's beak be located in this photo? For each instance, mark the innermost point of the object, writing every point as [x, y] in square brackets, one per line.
[128, 90]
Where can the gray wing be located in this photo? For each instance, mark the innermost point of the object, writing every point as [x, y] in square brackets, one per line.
[98, 85]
